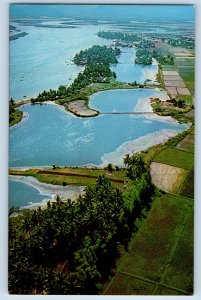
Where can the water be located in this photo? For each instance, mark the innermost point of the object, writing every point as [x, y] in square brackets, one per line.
[127, 71]
[21, 194]
[43, 59]
[123, 100]
[53, 136]
[50, 136]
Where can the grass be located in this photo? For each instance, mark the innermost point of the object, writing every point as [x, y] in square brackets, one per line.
[187, 188]
[15, 117]
[64, 179]
[180, 272]
[153, 247]
[127, 285]
[176, 158]
[187, 144]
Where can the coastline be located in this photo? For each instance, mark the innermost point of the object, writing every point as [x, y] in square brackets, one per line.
[50, 190]
[137, 145]
[25, 117]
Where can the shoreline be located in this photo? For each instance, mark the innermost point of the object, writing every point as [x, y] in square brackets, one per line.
[25, 117]
[138, 145]
[47, 189]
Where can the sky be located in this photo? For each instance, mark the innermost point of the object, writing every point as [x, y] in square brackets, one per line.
[123, 12]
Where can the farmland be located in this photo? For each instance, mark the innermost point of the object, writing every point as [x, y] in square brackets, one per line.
[152, 264]
[175, 157]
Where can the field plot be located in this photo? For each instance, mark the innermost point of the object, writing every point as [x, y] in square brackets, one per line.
[186, 68]
[174, 84]
[154, 252]
[167, 178]
[175, 157]
[71, 176]
[187, 189]
[129, 285]
[183, 91]
[180, 272]
[187, 144]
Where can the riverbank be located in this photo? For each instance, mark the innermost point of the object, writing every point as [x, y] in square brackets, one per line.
[20, 119]
[50, 190]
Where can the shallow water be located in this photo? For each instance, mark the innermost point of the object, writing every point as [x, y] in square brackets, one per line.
[43, 59]
[53, 136]
[123, 100]
[21, 194]
[127, 71]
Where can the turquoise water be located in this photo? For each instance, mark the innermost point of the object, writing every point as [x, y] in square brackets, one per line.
[53, 136]
[43, 59]
[127, 71]
[21, 194]
[120, 100]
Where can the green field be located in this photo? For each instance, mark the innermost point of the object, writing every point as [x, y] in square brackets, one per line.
[176, 158]
[188, 75]
[187, 188]
[72, 176]
[187, 144]
[153, 255]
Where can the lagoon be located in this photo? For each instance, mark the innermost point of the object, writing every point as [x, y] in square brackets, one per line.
[21, 194]
[52, 136]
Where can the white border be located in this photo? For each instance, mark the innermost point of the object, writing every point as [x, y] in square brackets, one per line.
[4, 55]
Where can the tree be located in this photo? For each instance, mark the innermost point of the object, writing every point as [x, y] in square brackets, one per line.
[110, 168]
[135, 166]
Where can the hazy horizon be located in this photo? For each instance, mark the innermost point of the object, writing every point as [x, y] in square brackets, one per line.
[161, 13]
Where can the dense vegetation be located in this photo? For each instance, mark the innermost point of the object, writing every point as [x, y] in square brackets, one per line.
[69, 248]
[92, 73]
[97, 60]
[120, 36]
[143, 56]
[181, 41]
[15, 115]
[97, 55]
[163, 60]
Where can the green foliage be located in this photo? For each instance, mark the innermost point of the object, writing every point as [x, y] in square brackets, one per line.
[143, 56]
[64, 248]
[96, 55]
[15, 115]
[163, 60]
[135, 166]
[121, 36]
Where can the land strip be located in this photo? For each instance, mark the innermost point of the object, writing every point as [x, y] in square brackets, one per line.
[73, 176]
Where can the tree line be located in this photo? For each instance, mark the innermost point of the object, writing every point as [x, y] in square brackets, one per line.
[69, 247]
[97, 70]
[97, 55]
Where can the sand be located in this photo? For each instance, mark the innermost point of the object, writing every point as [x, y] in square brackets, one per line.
[78, 108]
[49, 190]
[137, 145]
[25, 118]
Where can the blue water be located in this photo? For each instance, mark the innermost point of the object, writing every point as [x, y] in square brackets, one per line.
[43, 58]
[120, 100]
[127, 71]
[52, 136]
[21, 194]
